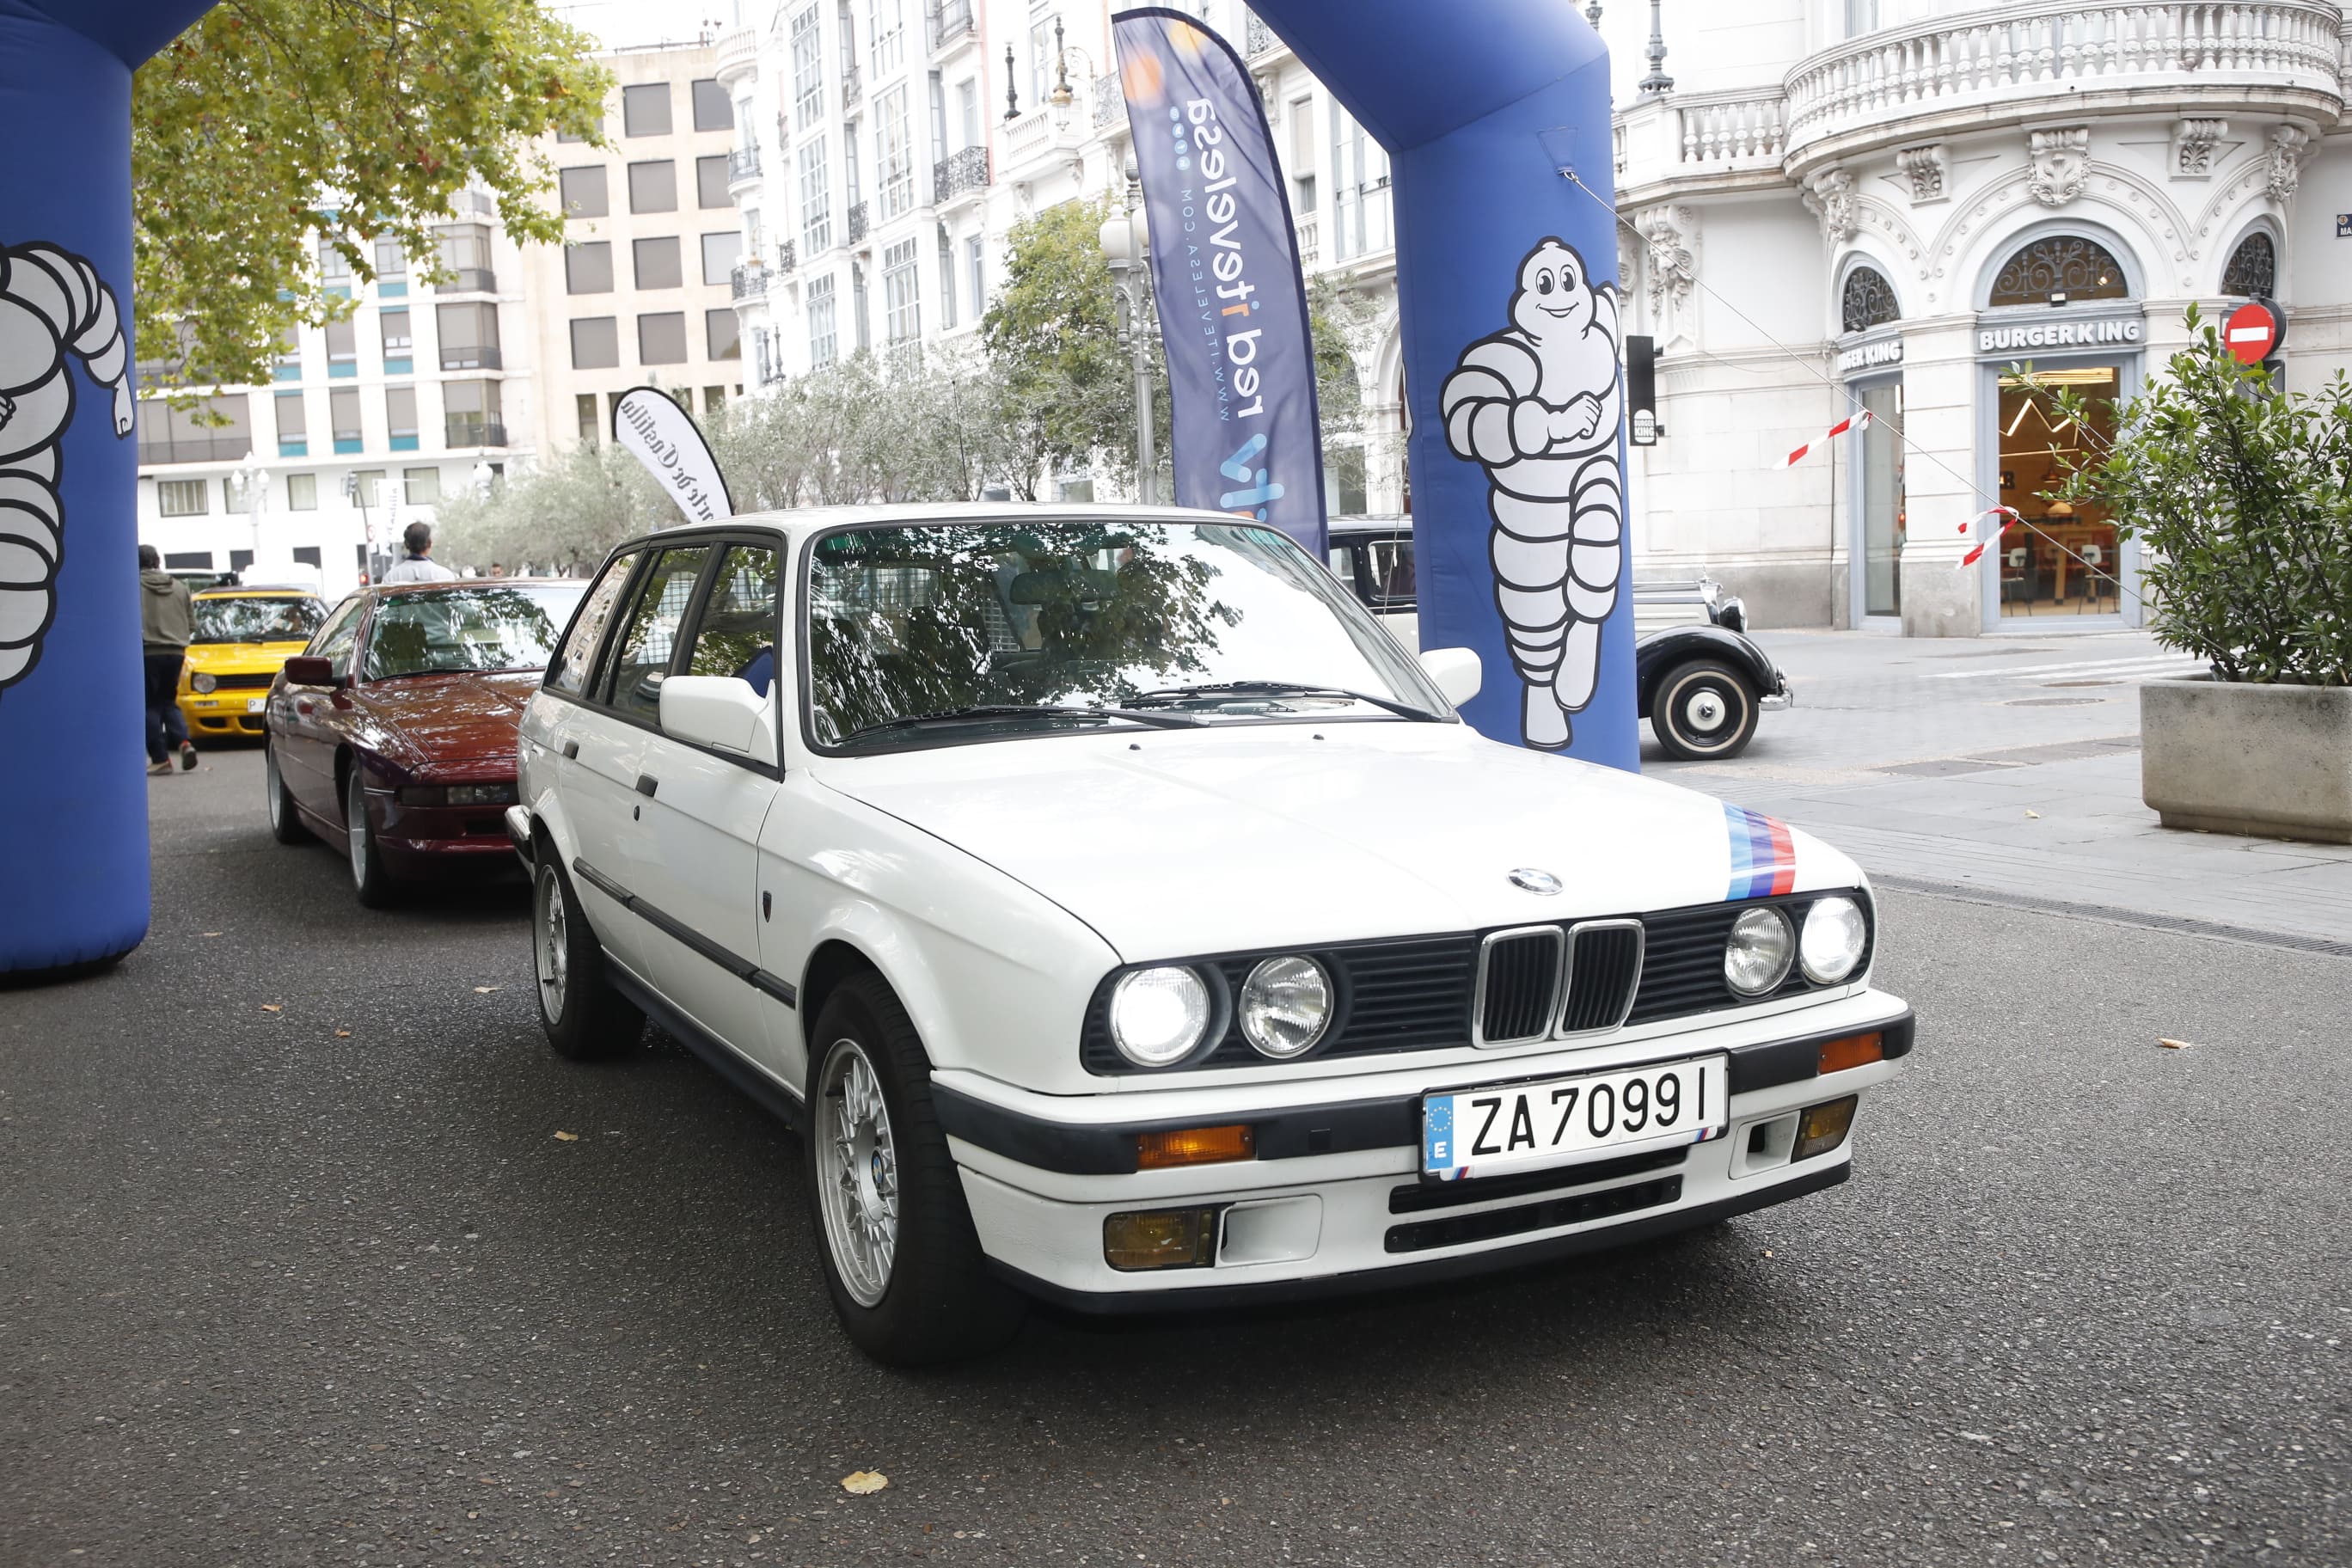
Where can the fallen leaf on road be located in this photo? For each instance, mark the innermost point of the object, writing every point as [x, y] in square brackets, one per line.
[486, 990]
[569, 1137]
[211, 933]
[342, 1034]
[860, 1482]
[271, 1007]
[2033, 814]
[2172, 1045]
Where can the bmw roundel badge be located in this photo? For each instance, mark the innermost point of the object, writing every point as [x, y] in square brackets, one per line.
[1535, 881]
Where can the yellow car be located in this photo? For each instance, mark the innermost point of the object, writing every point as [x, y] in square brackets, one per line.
[243, 636]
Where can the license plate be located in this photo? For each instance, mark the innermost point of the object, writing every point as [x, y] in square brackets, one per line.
[1560, 1120]
[255, 704]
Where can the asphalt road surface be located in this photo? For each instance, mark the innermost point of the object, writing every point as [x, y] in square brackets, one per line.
[295, 1269]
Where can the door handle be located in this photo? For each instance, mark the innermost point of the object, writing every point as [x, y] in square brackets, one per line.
[647, 784]
[570, 750]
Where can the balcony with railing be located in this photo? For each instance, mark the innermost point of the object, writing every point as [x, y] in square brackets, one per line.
[1717, 140]
[951, 24]
[960, 174]
[858, 215]
[743, 164]
[1039, 142]
[468, 280]
[1257, 39]
[2025, 61]
[472, 430]
[471, 357]
[788, 257]
[739, 53]
[1310, 241]
[1110, 103]
[750, 280]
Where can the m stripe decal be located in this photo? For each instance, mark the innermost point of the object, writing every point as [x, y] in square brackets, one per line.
[1763, 855]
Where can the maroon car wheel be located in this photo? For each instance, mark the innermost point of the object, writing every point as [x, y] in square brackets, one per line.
[285, 817]
[370, 880]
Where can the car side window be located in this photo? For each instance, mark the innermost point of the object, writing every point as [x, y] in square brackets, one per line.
[737, 633]
[1392, 572]
[336, 639]
[573, 660]
[632, 684]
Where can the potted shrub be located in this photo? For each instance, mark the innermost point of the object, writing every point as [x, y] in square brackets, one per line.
[2241, 497]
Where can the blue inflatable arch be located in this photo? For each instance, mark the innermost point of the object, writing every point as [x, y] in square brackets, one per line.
[73, 798]
[1507, 291]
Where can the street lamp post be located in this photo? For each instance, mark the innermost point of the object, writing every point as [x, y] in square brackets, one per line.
[1126, 238]
[253, 480]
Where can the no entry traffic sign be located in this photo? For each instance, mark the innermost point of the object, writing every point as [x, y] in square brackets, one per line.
[2255, 330]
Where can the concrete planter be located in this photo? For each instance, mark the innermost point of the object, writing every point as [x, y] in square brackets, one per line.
[2271, 762]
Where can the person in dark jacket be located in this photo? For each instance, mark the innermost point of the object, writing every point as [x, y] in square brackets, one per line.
[166, 622]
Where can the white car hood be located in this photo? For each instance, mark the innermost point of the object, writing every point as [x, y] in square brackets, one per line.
[1181, 843]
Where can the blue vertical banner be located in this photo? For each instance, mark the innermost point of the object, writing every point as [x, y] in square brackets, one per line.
[1224, 268]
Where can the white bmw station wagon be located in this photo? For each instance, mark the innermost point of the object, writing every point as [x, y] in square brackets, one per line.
[1127, 920]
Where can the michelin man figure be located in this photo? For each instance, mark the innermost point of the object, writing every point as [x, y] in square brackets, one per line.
[1538, 405]
[51, 304]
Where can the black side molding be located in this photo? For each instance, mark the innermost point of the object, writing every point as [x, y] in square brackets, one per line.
[669, 925]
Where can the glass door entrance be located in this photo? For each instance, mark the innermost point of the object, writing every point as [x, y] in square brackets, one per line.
[2061, 559]
[1883, 521]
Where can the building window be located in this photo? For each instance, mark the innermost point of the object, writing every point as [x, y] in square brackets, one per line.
[859, 318]
[2057, 269]
[182, 497]
[902, 311]
[976, 259]
[653, 187]
[1868, 301]
[466, 255]
[808, 72]
[1302, 155]
[588, 268]
[169, 435]
[293, 425]
[1041, 59]
[721, 331]
[288, 365]
[816, 203]
[968, 113]
[712, 108]
[473, 413]
[400, 418]
[342, 348]
[391, 261]
[1360, 189]
[661, 338]
[2253, 273]
[334, 266]
[344, 417]
[367, 487]
[714, 399]
[658, 263]
[887, 27]
[422, 487]
[597, 342]
[720, 252]
[583, 405]
[398, 339]
[470, 336]
[946, 282]
[645, 109]
[301, 492]
[710, 182]
[897, 153]
[824, 341]
[585, 194]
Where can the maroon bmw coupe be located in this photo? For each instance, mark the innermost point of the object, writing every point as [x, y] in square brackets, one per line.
[393, 734]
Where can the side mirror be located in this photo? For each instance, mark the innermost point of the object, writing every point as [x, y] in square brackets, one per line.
[308, 669]
[720, 711]
[1456, 671]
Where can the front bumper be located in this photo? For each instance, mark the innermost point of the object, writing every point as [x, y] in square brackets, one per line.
[1334, 1202]
[224, 714]
[1779, 697]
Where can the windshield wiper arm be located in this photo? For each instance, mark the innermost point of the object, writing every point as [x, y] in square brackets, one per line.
[1285, 688]
[1025, 709]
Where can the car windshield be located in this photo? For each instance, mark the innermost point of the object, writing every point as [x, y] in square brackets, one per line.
[920, 634]
[511, 626]
[286, 618]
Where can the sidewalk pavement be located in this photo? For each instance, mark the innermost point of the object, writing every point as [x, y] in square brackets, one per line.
[2008, 766]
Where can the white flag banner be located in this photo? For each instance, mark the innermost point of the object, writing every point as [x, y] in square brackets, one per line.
[664, 437]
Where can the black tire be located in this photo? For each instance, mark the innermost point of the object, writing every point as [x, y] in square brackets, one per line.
[370, 883]
[1702, 712]
[285, 818]
[586, 1018]
[936, 1300]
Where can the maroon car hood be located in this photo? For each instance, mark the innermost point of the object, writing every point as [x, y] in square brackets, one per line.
[448, 723]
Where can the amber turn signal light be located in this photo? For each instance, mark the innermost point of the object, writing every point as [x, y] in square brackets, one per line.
[1160, 1238]
[1853, 1051]
[1823, 1127]
[1195, 1146]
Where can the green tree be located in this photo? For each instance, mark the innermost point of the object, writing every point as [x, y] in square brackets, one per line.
[273, 128]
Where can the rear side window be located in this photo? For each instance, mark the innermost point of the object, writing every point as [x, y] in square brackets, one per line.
[1392, 572]
[570, 670]
[737, 633]
[649, 639]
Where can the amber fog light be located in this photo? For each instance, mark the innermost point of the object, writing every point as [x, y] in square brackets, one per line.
[1195, 1146]
[1160, 1238]
[1823, 1127]
[1853, 1051]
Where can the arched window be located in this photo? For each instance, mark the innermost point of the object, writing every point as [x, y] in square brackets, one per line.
[2057, 269]
[1869, 300]
[2253, 273]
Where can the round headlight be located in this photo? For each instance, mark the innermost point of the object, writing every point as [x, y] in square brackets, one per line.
[1831, 943]
[1285, 1006]
[1158, 1015]
[201, 682]
[1757, 957]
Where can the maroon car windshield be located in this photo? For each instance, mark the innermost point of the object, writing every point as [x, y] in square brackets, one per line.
[509, 625]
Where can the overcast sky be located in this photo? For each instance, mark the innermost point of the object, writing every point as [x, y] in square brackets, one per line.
[623, 24]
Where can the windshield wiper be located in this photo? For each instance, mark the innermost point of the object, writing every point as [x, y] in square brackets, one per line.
[1026, 710]
[1171, 694]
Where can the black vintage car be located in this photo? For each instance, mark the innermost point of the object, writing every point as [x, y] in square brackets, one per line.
[1702, 680]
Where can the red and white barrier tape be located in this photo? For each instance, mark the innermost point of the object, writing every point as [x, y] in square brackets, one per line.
[1852, 421]
[1984, 536]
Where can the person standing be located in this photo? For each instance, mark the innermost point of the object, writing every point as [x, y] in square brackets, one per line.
[166, 622]
[419, 565]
